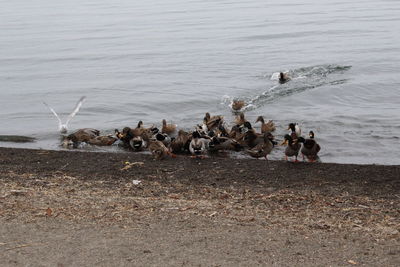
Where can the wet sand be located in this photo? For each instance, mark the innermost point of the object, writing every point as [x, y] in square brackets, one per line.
[63, 208]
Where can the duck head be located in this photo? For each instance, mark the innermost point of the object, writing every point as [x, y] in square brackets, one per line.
[247, 125]
[260, 119]
[118, 134]
[136, 143]
[195, 134]
[292, 126]
[207, 117]
[160, 137]
[287, 139]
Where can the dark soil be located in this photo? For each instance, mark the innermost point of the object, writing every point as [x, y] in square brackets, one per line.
[67, 208]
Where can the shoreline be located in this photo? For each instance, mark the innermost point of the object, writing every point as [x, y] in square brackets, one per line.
[214, 211]
[180, 156]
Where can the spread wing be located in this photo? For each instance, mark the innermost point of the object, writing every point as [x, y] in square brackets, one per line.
[297, 130]
[55, 114]
[76, 109]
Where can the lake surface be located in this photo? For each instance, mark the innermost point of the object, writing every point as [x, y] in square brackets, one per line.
[177, 59]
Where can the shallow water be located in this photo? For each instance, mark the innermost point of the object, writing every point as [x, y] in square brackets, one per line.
[178, 59]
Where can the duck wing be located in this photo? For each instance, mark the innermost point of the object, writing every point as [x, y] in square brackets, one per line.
[55, 114]
[76, 109]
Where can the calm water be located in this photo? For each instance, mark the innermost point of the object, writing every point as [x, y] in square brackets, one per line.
[177, 59]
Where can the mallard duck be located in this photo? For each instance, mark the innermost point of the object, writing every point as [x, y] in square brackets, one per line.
[202, 129]
[237, 105]
[164, 138]
[197, 146]
[142, 136]
[212, 122]
[159, 150]
[250, 137]
[264, 148]
[236, 132]
[181, 143]
[81, 135]
[283, 78]
[104, 140]
[125, 136]
[140, 130]
[310, 147]
[292, 148]
[221, 131]
[137, 143]
[168, 128]
[266, 127]
[295, 130]
[223, 143]
[240, 119]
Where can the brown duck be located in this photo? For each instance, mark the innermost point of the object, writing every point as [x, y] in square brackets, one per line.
[266, 126]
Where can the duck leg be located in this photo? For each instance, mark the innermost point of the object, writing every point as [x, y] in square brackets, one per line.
[171, 154]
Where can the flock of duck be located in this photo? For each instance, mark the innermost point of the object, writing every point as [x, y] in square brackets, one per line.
[210, 136]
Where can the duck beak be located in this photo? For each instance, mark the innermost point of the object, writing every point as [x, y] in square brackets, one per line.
[284, 142]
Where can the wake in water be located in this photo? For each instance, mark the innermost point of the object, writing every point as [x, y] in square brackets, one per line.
[302, 79]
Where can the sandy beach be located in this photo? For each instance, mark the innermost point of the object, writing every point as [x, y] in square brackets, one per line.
[68, 208]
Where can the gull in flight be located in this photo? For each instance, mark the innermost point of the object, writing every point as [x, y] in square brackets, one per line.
[63, 127]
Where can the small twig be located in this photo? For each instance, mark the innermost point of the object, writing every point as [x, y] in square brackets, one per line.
[63, 167]
[20, 246]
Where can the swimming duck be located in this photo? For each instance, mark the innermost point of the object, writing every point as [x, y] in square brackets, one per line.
[104, 140]
[283, 78]
[238, 105]
[81, 135]
[264, 148]
[310, 147]
[197, 146]
[292, 148]
[168, 128]
[266, 127]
